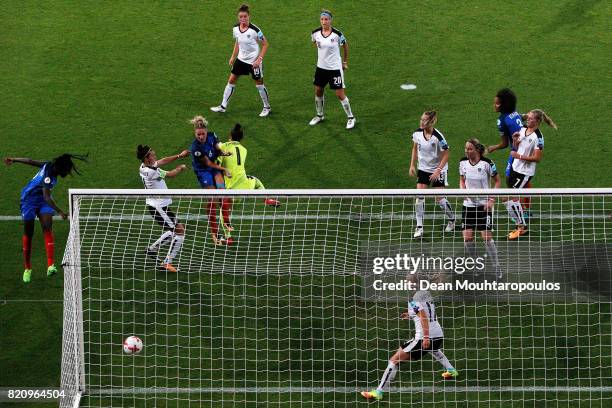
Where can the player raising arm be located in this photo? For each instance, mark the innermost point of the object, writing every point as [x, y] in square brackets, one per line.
[235, 163]
[431, 150]
[250, 60]
[477, 172]
[508, 122]
[427, 339]
[36, 201]
[528, 144]
[330, 67]
[154, 177]
[205, 150]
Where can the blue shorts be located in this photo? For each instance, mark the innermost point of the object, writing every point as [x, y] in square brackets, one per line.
[207, 179]
[32, 208]
[509, 166]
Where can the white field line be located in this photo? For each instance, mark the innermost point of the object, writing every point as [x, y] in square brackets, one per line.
[344, 390]
[355, 217]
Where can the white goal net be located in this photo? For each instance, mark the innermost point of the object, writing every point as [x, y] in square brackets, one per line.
[300, 304]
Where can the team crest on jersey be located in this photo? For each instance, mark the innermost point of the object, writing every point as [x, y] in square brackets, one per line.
[333, 40]
[248, 35]
[47, 180]
[197, 154]
[479, 170]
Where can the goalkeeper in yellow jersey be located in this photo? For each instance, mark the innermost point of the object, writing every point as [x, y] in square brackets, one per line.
[235, 164]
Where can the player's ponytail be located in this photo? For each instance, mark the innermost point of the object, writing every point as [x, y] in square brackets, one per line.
[199, 122]
[480, 148]
[237, 132]
[432, 118]
[142, 151]
[543, 116]
[64, 164]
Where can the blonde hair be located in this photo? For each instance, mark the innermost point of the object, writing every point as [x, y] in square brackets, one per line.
[543, 116]
[478, 146]
[199, 122]
[432, 118]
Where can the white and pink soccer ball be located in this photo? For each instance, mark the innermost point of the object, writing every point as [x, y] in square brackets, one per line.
[132, 345]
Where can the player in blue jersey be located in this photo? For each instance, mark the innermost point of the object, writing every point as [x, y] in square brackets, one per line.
[36, 201]
[205, 150]
[508, 123]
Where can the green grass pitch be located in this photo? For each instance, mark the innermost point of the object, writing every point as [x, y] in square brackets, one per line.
[85, 76]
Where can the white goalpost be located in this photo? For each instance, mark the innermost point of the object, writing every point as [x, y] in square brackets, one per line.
[299, 304]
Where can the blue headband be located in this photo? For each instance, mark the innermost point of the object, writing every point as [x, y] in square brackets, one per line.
[325, 13]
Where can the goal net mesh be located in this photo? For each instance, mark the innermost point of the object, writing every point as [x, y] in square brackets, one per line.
[294, 313]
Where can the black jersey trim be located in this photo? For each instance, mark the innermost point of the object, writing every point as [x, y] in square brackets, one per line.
[254, 27]
[437, 134]
[464, 158]
[337, 32]
[317, 29]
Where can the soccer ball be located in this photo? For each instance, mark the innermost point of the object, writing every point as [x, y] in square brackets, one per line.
[132, 345]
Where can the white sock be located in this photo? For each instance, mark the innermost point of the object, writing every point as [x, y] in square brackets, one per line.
[518, 208]
[319, 104]
[263, 92]
[387, 377]
[510, 207]
[175, 247]
[161, 240]
[492, 252]
[347, 107]
[448, 210]
[470, 248]
[227, 94]
[420, 211]
[441, 358]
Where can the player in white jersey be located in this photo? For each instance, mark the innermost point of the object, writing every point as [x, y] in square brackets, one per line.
[431, 150]
[529, 143]
[154, 177]
[477, 172]
[247, 59]
[427, 339]
[330, 67]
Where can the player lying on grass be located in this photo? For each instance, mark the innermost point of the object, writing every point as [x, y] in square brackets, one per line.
[430, 149]
[36, 201]
[477, 172]
[528, 144]
[235, 163]
[153, 177]
[427, 339]
[205, 149]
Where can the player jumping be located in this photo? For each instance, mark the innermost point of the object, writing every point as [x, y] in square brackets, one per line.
[431, 150]
[205, 150]
[427, 339]
[154, 177]
[235, 164]
[36, 201]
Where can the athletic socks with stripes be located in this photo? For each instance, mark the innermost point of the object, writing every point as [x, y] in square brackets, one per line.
[387, 377]
[227, 94]
[263, 92]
